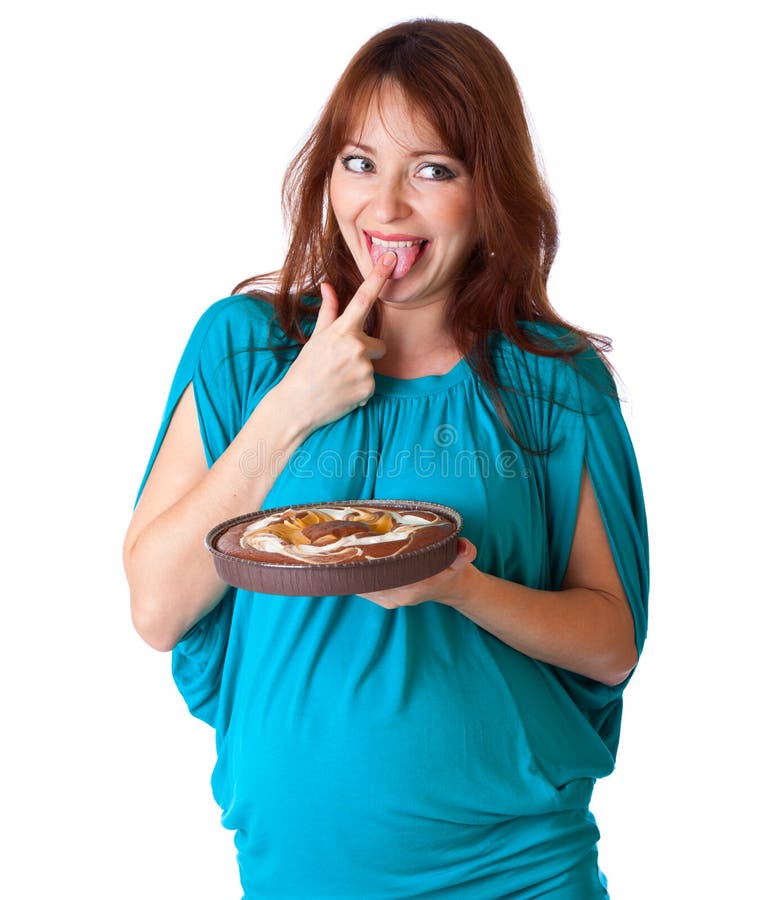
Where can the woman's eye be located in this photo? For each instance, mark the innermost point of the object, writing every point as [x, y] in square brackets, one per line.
[358, 164]
[435, 172]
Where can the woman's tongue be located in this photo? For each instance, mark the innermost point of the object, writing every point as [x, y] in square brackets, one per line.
[405, 257]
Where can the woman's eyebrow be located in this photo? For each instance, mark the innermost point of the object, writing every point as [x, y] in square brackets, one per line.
[437, 151]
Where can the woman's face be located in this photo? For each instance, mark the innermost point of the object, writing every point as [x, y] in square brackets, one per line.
[395, 187]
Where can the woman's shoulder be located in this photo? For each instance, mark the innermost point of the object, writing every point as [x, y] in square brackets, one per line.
[552, 362]
[237, 309]
[239, 321]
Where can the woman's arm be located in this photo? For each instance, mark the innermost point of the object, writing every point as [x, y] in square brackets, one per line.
[171, 575]
[586, 627]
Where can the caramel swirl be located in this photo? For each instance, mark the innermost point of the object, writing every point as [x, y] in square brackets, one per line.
[329, 535]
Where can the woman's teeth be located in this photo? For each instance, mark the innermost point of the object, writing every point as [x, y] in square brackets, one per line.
[393, 245]
[406, 253]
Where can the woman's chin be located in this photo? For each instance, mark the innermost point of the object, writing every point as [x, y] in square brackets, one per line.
[398, 291]
[392, 295]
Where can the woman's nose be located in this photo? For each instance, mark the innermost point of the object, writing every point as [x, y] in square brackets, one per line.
[390, 200]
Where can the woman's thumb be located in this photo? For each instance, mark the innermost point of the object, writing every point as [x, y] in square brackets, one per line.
[328, 309]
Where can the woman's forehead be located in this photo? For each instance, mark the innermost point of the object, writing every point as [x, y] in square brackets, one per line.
[387, 109]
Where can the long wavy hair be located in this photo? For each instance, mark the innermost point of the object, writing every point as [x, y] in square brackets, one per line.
[461, 84]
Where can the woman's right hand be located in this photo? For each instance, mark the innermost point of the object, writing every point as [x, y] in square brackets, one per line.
[333, 373]
[171, 575]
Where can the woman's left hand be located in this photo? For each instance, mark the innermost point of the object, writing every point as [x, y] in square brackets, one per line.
[444, 587]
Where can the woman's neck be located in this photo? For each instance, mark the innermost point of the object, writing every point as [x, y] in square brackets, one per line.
[417, 342]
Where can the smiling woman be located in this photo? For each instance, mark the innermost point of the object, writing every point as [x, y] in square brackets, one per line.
[388, 193]
[457, 111]
[441, 738]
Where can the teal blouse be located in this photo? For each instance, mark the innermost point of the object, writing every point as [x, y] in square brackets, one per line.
[364, 752]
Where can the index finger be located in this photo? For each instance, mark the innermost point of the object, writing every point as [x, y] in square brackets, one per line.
[355, 314]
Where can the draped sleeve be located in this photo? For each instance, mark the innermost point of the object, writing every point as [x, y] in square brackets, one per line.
[230, 366]
[570, 414]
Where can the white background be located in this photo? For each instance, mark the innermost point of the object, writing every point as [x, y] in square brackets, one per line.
[143, 150]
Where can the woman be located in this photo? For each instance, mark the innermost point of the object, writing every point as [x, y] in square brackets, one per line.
[440, 739]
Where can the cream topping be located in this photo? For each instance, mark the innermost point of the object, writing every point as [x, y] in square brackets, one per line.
[257, 537]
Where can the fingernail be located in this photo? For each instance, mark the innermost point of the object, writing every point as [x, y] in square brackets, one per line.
[388, 259]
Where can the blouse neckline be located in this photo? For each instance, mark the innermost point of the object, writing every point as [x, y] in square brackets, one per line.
[387, 385]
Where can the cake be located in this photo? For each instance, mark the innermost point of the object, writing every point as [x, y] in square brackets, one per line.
[327, 535]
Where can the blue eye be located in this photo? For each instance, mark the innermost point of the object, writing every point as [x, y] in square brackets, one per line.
[357, 164]
[435, 172]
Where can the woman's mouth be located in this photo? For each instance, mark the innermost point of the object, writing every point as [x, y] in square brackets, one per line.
[407, 248]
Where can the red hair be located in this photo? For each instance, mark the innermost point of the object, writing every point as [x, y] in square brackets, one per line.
[463, 87]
